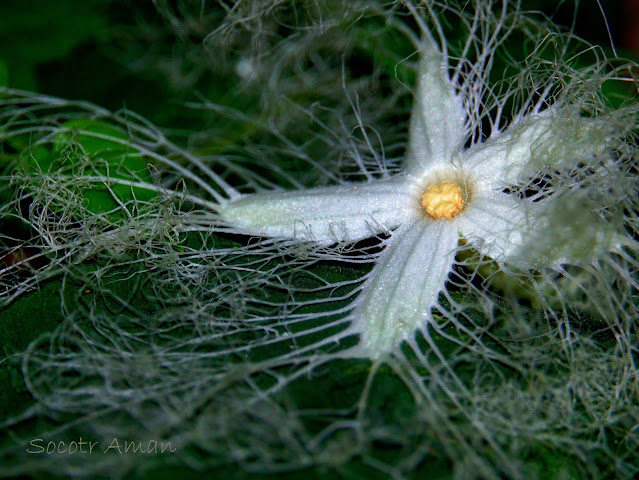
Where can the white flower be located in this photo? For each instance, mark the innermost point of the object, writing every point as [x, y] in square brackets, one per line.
[447, 193]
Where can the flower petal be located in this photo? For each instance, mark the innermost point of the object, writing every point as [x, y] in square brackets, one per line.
[535, 235]
[326, 215]
[569, 231]
[498, 225]
[506, 156]
[552, 138]
[437, 123]
[404, 285]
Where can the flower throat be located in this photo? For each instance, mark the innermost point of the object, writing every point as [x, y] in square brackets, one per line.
[443, 201]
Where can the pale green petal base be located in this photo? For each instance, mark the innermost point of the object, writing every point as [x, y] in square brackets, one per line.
[498, 225]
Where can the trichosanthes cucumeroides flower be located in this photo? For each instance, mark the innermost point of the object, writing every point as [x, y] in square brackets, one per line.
[453, 191]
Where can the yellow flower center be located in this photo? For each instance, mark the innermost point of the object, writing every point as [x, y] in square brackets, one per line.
[443, 201]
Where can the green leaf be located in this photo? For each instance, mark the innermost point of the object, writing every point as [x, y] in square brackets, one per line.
[21, 323]
[94, 136]
[111, 174]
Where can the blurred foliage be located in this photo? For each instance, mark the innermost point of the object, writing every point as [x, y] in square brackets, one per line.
[36, 32]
